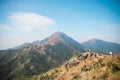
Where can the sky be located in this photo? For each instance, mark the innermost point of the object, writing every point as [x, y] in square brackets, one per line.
[30, 20]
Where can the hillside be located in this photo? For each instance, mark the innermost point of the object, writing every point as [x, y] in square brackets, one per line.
[102, 67]
[102, 46]
[37, 57]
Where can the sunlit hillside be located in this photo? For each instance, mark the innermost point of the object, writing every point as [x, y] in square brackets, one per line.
[85, 67]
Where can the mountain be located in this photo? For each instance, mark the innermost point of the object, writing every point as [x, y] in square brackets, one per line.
[23, 45]
[102, 46]
[85, 67]
[37, 57]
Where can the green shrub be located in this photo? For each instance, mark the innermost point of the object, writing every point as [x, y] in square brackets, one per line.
[113, 67]
[84, 68]
[100, 62]
[109, 64]
[96, 65]
[104, 75]
[45, 77]
[77, 76]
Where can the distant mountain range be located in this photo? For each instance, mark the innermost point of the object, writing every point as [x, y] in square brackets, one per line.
[39, 56]
[102, 46]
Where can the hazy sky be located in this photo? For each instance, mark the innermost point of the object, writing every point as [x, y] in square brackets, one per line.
[29, 20]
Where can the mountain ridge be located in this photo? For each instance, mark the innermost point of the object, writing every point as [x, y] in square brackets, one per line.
[97, 39]
[40, 56]
[37, 57]
[102, 46]
[85, 66]
[59, 36]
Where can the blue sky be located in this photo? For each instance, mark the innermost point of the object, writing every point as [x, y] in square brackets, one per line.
[29, 20]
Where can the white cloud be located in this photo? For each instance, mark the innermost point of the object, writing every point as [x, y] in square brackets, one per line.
[2, 27]
[24, 27]
[29, 22]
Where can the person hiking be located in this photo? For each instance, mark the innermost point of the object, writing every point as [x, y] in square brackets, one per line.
[86, 50]
[110, 53]
[97, 54]
[89, 50]
[94, 54]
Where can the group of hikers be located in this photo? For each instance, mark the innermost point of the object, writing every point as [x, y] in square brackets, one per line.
[84, 56]
[96, 54]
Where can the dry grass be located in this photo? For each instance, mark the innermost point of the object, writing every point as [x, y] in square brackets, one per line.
[88, 69]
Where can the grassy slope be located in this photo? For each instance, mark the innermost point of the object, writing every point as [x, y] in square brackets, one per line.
[104, 67]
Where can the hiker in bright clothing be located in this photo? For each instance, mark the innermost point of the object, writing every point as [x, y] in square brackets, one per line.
[110, 53]
[89, 50]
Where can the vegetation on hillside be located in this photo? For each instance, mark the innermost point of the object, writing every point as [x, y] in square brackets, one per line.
[37, 57]
[102, 67]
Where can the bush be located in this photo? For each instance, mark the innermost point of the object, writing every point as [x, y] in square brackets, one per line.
[76, 77]
[94, 77]
[45, 77]
[113, 66]
[104, 75]
[109, 64]
[84, 68]
[100, 62]
[96, 65]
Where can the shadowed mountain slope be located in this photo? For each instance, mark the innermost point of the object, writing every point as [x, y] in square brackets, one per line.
[37, 57]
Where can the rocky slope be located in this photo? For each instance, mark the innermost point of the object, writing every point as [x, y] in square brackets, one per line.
[85, 67]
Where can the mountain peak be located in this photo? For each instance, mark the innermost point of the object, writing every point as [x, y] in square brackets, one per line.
[94, 40]
[58, 34]
[62, 38]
